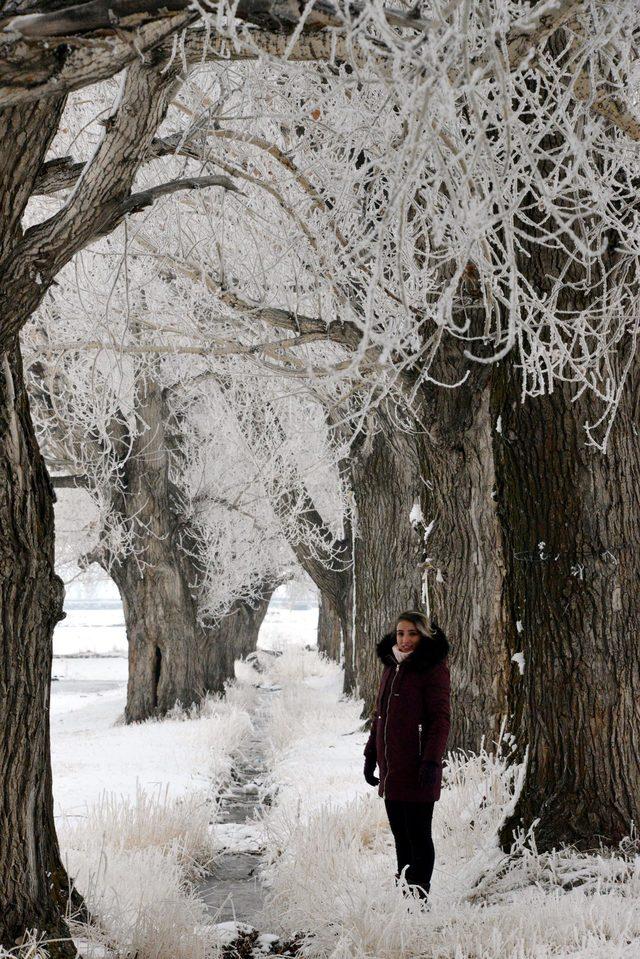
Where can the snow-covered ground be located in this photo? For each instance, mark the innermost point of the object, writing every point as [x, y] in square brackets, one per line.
[329, 860]
[91, 750]
[137, 807]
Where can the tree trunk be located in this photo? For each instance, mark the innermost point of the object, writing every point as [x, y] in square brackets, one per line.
[570, 523]
[157, 583]
[234, 638]
[33, 883]
[34, 888]
[334, 580]
[166, 643]
[464, 577]
[329, 630]
[329, 568]
[387, 549]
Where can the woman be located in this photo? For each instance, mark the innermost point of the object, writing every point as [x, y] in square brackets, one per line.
[408, 737]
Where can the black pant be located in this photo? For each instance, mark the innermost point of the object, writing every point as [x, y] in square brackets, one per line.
[411, 827]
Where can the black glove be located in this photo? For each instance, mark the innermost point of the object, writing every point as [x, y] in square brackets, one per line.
[428, 773]
[369, 770]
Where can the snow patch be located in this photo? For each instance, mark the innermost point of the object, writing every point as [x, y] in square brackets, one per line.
[416, 515]
[518, 659]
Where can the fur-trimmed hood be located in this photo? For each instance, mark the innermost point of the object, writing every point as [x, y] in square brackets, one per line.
[427, 653]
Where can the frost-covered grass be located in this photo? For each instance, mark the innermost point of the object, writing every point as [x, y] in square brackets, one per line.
[136, 851]
[330, 859]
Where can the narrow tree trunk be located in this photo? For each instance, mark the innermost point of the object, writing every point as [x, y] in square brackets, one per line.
[33, 883]
[570, 522]
[233, 638]
[329, 630]
[387, 549]
[329, 568]
[345, 612]
[465, 573]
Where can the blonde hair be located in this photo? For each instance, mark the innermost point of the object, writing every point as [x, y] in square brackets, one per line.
[419, 620]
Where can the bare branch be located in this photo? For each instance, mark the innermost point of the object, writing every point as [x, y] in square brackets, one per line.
[276, 15]
[87, 17]
[138, 201]
[71, 482]
[611, 108]
[59, 174]
[214, 349]
[32, 69]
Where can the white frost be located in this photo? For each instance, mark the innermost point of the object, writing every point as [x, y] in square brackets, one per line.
[518, 658]
[416, 515]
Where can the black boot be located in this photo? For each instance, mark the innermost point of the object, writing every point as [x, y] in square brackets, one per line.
[417, 885]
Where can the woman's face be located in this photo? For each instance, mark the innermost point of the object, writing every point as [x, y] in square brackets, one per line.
[407, 636]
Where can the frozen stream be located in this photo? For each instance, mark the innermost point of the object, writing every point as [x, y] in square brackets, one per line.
[94, 755]
[233, 891]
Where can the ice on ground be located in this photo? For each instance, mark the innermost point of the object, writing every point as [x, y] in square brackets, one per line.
[239, 836]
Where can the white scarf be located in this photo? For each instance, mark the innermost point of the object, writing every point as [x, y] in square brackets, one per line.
[399, 656]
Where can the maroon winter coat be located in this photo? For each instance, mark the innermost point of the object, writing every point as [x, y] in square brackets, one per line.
[411, 721]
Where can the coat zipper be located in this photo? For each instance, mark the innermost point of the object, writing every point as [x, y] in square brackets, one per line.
[419, 740]
[386, 720]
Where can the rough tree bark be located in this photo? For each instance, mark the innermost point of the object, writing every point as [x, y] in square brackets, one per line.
[172, 654]
[157, 581]
[233, 638]
[465, 571]
[329, 630]
[570, 522]
[34, 888]
[387, 554]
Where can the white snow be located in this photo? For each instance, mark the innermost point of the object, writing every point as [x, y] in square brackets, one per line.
[239, 836]
[416, 515]
[328, 859]
[329, 862]
[518, 659]
[93, 752]
[136, 805]
[99, 631]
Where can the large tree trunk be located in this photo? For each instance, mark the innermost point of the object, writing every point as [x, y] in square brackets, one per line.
[329, 630]
[233, 638]
[34, 887]
[33, 883]
[572, 536]
[387, 548]
[157, 583]
[166, 643]
[465, 573]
